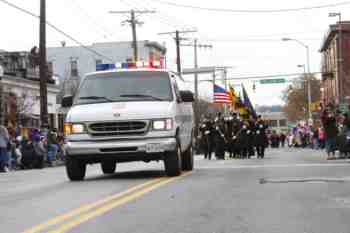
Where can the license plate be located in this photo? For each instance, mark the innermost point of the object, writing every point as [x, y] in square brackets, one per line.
[154, 148]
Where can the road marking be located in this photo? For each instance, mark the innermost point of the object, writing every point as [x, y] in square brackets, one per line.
[87, 207]
[304, 180]
[124, 200]
[233, 166]
[108, 201]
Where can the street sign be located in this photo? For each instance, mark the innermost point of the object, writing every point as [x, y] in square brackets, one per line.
[272, 81]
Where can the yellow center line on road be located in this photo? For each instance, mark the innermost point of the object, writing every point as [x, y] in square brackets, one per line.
[97, 208]
[88, 207]
[111, 205]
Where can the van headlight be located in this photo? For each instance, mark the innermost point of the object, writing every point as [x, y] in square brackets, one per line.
[72, 128]
[164, 124]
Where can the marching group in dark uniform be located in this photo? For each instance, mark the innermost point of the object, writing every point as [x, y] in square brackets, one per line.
[242, 139]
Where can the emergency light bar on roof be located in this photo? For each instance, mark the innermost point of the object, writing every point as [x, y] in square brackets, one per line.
[130, 65]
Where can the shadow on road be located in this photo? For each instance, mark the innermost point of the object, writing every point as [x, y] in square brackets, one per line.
[130, 175]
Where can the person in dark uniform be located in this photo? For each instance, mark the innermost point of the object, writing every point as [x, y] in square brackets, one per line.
[243, 140]
[251, 135]
[207, 138]
[229, 135]
[237, 126]
[219, 135]
[261, 140]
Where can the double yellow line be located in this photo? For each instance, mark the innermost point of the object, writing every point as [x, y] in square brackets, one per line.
[73, 218]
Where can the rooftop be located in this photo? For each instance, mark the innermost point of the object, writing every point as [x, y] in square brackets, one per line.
[332, 32]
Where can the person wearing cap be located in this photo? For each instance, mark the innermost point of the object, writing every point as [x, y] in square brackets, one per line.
[207, 141]
[219, 135]
[261, 140]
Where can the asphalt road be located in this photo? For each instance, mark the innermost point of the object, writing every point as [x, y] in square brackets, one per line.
[291, 191]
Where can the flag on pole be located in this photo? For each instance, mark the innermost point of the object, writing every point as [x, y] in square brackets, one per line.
[221, 96]
[247, 103]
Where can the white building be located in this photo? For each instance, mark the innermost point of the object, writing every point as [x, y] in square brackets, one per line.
[76, 61]
[276, 120]
[25, 93]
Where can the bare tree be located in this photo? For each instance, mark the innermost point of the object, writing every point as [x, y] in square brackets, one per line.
[296, 98]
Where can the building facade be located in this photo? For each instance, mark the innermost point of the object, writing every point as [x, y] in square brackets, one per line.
[335, 49]
[276, 120]
[76, 61]
[20, 92]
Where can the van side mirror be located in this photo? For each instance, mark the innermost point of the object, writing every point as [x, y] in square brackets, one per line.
[187, 96]
[67, 101]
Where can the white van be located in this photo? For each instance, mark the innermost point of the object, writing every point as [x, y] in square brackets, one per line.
[129, 115]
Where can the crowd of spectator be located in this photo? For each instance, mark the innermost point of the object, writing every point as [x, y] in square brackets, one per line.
[38, 149]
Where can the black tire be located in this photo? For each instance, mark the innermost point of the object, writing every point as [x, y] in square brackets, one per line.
[75, 169]
[108, 167]
[187, 159]
[173, 163]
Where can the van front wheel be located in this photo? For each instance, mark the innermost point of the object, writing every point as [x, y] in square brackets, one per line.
[172, 162]
[75, 169]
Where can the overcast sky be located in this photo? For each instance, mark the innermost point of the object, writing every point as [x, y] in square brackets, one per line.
[251, 42]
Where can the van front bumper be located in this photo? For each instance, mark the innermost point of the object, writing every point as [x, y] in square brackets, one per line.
[124, 147]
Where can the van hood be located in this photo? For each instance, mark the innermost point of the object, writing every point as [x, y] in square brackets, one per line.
[120, 111]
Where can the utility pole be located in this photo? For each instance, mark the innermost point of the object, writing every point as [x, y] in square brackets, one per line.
[177, 41]
[178, 50]
[43, 67]
[195, 45]
[133, 22]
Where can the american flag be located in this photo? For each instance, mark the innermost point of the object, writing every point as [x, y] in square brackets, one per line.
[221, 96]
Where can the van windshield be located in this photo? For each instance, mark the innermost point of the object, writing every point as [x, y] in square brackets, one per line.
[125, 86]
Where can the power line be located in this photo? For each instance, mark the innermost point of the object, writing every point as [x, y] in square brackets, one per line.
[251, 10]
[161, 16]
[237, 40]
[93, 20]
[56, 29]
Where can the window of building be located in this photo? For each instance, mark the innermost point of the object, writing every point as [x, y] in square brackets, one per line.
[272, 123]
[50, 69]
[283, 123]
[74, 67]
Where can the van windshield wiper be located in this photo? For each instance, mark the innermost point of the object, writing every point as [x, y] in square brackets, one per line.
[142, 96]
[93, 97]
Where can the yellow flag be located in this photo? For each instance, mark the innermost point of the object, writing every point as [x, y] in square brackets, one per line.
[233, 96]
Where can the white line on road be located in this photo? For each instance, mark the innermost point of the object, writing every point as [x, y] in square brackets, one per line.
[232, 166]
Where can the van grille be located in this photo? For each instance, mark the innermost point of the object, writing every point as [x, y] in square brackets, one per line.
[122, 128]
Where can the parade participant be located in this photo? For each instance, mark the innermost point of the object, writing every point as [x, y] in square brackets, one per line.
[251, 134]
[243, 140]
[229, 134]
[261, 140]
[220, 140]
[237, 125]
[207, 137]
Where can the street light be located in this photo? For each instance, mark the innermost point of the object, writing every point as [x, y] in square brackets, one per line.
[308, 71]
[304, 69]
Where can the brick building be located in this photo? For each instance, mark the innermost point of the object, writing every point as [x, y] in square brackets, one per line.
[335, 49]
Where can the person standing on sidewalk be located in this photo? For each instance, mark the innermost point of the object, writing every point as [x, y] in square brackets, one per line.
[4, 142]
[331, 131]
[52, 146]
